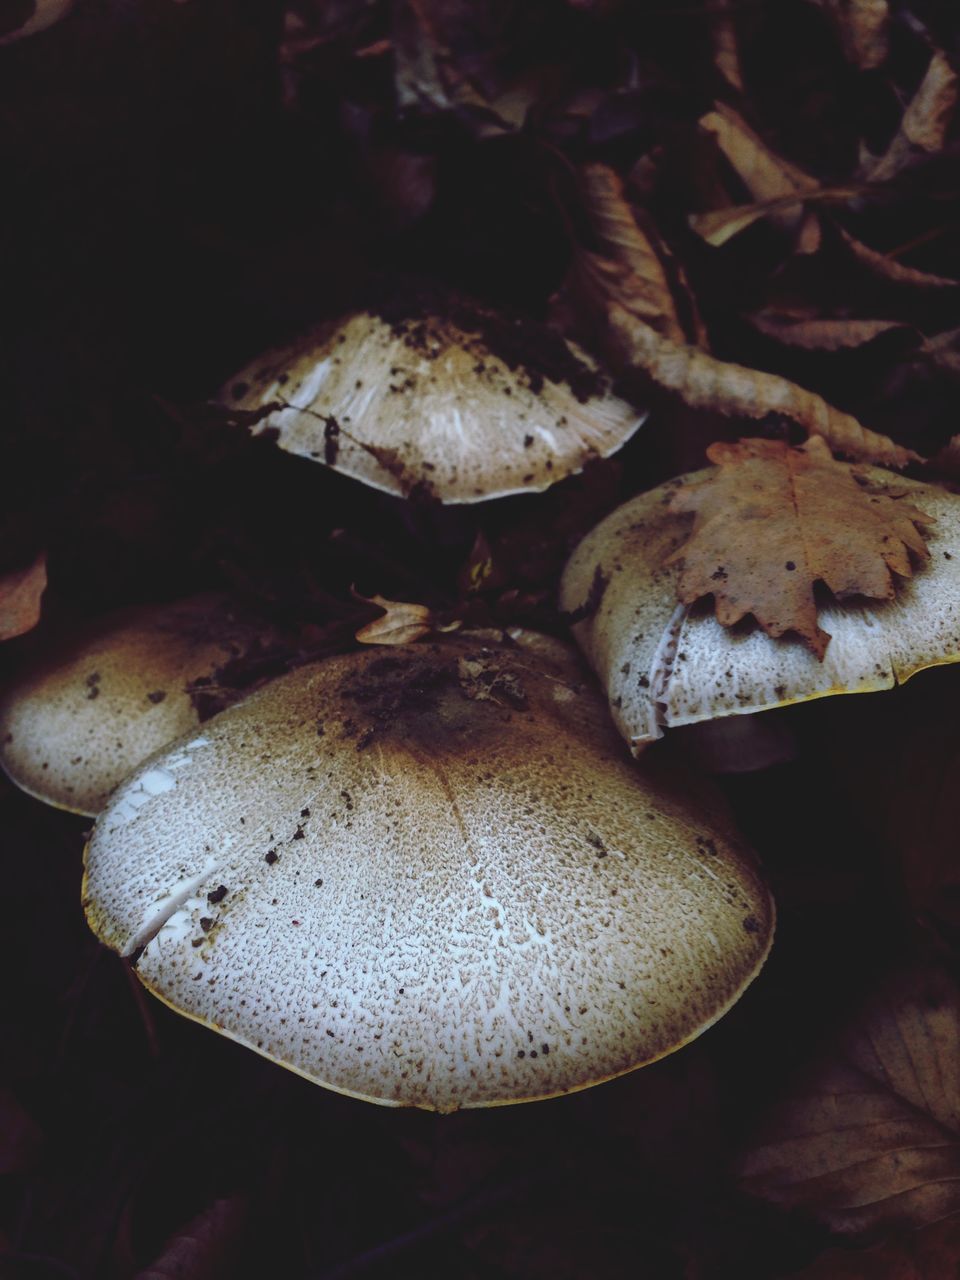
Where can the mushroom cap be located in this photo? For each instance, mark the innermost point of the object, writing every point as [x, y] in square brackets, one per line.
[666, 664]
[425, 405]
[91, 709]
[430, 877]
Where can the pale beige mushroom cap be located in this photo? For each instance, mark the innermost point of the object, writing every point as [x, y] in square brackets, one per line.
[429, 877]
[666, 664]
[425, 405]
[93, 708]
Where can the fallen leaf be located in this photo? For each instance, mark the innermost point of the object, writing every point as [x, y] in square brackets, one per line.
[629, 269]
[863, 27]
[924, 126]
[772, 521]
[888, 268]
[932, 1253]
[869, 1140]
[717, 226]
[820, 333]
[704, 382]
[726, 47]
[402, 623]
[211, 1247]
[20, 595]
[766, 175]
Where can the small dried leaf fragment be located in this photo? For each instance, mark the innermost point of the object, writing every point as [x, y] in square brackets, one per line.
[871, 1139]
[20, 595]
[772, 521]
[924, 126]
[863, 29]
[704, 382]
[402, 622]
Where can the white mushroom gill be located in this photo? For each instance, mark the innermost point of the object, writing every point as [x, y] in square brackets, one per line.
[431, 878]
[427, 405]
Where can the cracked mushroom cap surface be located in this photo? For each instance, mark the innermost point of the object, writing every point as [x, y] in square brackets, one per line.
[458, 408]
[429, 877]
[91, 709]
[666, 664]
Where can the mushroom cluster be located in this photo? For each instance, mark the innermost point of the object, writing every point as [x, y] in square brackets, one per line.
[429, 876]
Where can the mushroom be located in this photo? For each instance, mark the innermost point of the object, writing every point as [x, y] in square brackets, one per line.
[90, 710]
[459, 405]
[429, 878]
[666, 664]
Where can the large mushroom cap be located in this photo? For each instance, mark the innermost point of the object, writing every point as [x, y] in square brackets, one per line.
[429, 877]
[666, 664]
[460, 409]
[92, 709]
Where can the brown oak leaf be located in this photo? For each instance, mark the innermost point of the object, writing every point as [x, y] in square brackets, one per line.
[772, 521]
[869, 1140]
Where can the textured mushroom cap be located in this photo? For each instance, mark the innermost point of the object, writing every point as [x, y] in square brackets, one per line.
[430, 877]
[91, 710]
[665, 664]
[426, 406]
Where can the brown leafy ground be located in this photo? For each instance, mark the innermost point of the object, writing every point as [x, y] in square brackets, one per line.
[753, 209]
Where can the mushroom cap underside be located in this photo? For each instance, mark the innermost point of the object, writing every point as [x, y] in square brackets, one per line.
[425, 406]
[666, 664]
[428, 878]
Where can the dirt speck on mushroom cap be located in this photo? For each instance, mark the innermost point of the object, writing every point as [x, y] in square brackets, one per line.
[486, 904]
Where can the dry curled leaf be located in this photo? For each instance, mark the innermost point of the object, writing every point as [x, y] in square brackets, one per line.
[890, 270]
[863, 29]
[20, 595]
[629, 270]
[820, 333]
[726, 46]
[717, 226]
[924, 125]
[772, 521]
[402, 622]
[870, 1139]
[704, 382]
[767, 176]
